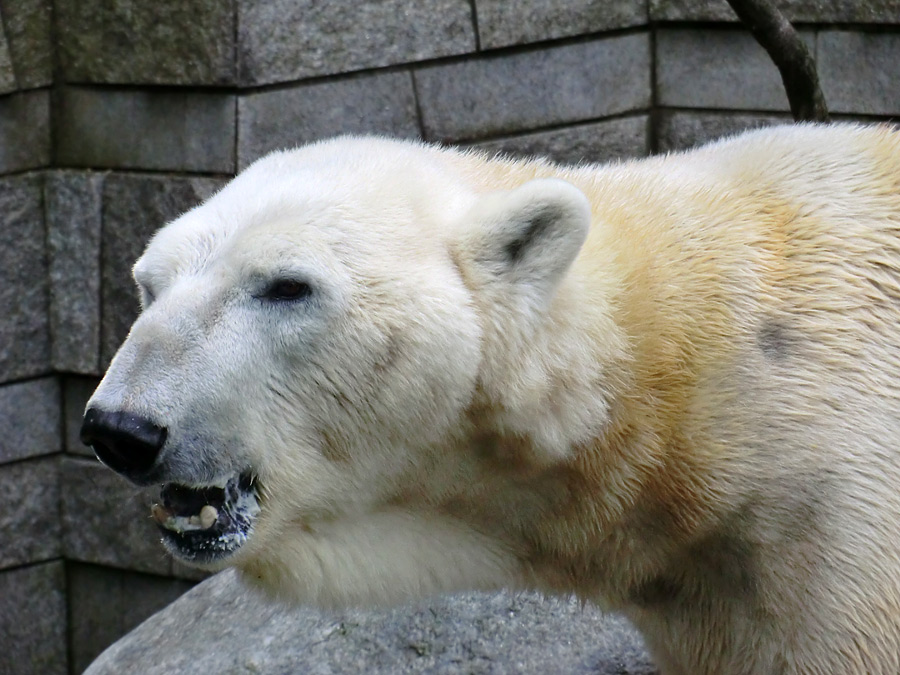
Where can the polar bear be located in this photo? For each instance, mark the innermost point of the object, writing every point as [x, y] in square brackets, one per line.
[369, 370]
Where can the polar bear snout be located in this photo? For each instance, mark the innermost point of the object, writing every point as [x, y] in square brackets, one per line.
[125, 442]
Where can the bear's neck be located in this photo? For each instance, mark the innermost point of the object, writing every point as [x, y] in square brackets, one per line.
[588, 413]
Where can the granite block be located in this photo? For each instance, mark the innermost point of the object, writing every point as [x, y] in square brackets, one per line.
[383, 103]
[29, 519]
[24, 130]
[688, 129]
[511, 22]
[33, 620]
[134, 207]
[30, 419]
[285, 40]
[27, 30]
[162, 42]
[221, 626]
[76, 392]
[135, 129]
[726, 69]
[802, 11]
[105, 603]
[7, 74]
[583, 143]
[106, 520]
[680, 130]
[858, 72]
[73, 213]
[507, 93]
[24, 286]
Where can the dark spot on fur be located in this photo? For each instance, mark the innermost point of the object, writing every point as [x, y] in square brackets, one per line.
[386, 360]
[538, 222]
[333, 449]
[780, 665]
[719, 563]
[725, 559]
[504, 453]
[654, 592]
[776, 341]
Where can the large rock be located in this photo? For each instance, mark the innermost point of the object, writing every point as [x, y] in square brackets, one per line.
[108, 603]
[222, 627]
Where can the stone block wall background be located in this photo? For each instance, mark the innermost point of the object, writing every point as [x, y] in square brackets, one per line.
[116, 116]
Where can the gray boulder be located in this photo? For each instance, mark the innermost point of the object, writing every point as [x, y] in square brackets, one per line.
[222, 627]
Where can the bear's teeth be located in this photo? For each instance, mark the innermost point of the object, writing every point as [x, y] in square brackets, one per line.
[208, 516]
[160, 514]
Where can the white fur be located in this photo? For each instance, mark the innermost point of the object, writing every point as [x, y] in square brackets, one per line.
[669, 386]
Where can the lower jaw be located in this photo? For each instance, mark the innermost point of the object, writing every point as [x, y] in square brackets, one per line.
[202, 549]
[207, 536]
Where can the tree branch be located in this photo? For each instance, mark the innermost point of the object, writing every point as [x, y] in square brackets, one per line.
[787, 50]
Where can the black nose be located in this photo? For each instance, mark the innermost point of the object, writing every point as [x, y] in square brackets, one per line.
[125, 442]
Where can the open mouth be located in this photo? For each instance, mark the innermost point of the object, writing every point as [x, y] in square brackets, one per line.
[206, 524]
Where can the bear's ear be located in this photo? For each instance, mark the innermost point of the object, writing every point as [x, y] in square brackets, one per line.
[529, 236]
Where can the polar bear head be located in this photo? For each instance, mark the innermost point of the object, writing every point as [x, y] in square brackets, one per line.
[313, 342]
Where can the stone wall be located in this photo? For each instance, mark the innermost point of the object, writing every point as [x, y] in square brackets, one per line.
[116, 116]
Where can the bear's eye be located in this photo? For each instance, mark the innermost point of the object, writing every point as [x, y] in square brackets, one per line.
[287, 289]
[147, 294]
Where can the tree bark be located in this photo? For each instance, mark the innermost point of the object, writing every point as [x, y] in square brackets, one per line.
[787, 50]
